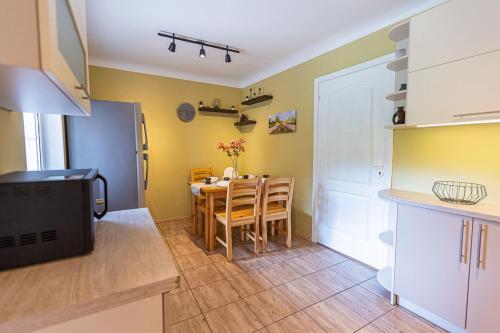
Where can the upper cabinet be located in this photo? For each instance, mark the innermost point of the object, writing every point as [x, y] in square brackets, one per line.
[455, 30]
[44, 67]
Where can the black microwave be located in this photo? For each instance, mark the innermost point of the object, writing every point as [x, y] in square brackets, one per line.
[48, 215]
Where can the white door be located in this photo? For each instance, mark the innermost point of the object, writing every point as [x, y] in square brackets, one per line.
[484, 283]
[353, 160]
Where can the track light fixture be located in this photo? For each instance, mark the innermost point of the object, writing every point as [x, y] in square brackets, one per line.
[228, 56]
[202, 52]
[203, 44]
[171, 47]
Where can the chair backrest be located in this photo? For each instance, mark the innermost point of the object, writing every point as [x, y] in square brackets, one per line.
[278, 190]
[198, 175]
[243, 194]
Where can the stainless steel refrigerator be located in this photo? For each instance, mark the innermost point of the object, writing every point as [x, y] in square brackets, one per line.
[114, 140]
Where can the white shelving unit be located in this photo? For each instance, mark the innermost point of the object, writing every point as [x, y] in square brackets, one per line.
[400, 32]
[384, 277]
[397, 96]
[387, 237]
[398, 64]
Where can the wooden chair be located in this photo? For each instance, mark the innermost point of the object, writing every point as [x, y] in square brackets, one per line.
[198, 175]
[277, 206]
[242, 209]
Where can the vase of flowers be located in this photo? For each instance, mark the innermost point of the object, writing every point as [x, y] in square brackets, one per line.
[233, 150]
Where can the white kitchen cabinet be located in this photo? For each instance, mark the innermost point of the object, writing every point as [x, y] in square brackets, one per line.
[432, 261]
[458, 91]
[44, 68]
[484, 286]
[454, 30]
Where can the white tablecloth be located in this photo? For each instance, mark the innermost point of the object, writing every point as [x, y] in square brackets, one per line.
[196, 187]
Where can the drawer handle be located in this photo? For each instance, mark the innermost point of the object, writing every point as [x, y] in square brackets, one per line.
[462, 255]
[475, 114]
[481, 241]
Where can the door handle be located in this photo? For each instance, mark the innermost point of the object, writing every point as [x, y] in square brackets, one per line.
[105, 210]
[464, 230]
[145, 146]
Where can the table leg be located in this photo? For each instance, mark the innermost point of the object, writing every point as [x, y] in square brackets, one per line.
[212, 223]
[207, 220]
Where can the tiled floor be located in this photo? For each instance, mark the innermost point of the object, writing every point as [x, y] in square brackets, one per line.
[307, 288]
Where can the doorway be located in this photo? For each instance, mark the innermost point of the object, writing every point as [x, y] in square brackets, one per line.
[353, 160]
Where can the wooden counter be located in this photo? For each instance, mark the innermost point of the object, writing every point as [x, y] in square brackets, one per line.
[481, 210]
[130, 262]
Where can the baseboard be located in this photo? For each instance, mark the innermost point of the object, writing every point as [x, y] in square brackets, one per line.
[431, 317]
[172, 219]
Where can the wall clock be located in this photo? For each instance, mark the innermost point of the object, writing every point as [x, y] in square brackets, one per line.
[186, 112]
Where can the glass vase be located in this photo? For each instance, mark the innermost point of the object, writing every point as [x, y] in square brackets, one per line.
[235, 168]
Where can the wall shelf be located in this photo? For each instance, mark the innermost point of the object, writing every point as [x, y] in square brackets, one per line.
[257, 99]
[387, 237]
[400, 127]
[245, 123]
[400, 32]
[398, 64]
[397, 96]
[216, 110]
[384, 277]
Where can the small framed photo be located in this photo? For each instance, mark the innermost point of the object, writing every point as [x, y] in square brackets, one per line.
[283, 122]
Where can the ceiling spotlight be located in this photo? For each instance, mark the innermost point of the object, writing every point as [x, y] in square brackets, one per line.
[228, 56]
[171, 47]
[202, 52]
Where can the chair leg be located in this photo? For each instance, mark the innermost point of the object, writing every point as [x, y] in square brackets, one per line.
[194, 211]
[229, 243]
[264, 236]
[289, 231]
[200, 225]
[257, 236]
[272, 228]
[242, 233]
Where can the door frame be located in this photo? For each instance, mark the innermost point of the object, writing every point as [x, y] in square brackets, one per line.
[317, 81]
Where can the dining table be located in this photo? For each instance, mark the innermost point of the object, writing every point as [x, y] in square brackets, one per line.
[211, 192]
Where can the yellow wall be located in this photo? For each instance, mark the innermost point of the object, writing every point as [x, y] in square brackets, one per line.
[12, 155]
[467, 153]
[175, 146]
[292, 154]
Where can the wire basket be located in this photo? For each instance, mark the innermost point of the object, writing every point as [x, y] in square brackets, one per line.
[459, 192]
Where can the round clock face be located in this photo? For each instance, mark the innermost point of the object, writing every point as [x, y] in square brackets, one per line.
[186, 112]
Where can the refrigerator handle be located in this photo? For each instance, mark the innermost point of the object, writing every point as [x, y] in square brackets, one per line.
[146, 144]
[105, 210]
[146, 158]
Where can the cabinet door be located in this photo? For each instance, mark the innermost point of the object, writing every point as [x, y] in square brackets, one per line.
[432, 261]
[483, 314]
[459, 91]
[454, 30]
[63, 51]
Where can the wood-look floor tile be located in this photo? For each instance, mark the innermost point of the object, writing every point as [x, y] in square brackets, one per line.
[369, 329]
[250, 283]
[296, 323]
[308, 263]
[182, 249]
[247, 264]
[193, 260]
[303, 292]
[262, 330]
[279, 273]
[375, 287]
[169, 230]
[335, 317]
[202, 275]
[183, 285]
[181, 306]
[270, 306]
[215, 295]
[364, 302]
[214, 257]
[354, 271]
[179, 239]
[232, 318]
[399, 321]
[330, 281]
[196, 324]
[287, 254]
[228, 268]
[331, 256]
[265, 261]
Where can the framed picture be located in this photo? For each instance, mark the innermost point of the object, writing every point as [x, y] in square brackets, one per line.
[283, 122]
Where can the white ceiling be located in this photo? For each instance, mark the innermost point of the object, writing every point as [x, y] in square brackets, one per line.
[273, 34]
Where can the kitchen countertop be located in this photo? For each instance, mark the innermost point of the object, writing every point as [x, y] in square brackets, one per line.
[130, 262]
[481, 210]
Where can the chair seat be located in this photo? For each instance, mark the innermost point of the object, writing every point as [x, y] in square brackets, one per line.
[237, 217]
[275, 209]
